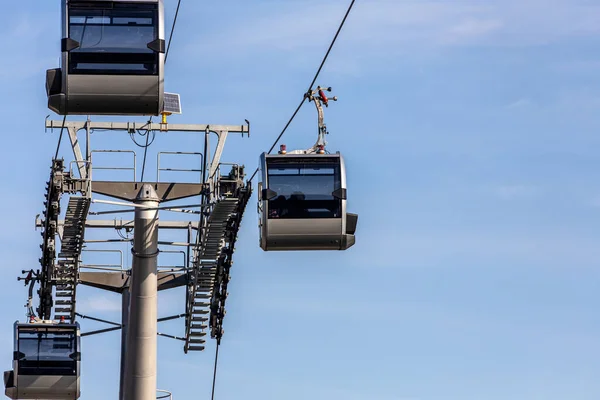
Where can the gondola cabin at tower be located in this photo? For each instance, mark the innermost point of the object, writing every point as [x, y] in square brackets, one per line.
[112, 59]
[46, 361]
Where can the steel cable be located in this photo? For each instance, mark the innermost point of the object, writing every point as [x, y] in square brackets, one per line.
[145, 153]
[337, 34]
[215, 371]
[172, 30]
[165, 62]
[62, 128]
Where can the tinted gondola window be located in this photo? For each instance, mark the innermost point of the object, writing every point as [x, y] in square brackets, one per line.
[47, 353]
[304, 190]
[113, 41]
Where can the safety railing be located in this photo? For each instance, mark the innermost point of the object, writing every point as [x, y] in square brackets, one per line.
[234, 167]
[103, 267]
[217, 179]
[174, 268]
[87, 164]
[195, 170]
[116, 168]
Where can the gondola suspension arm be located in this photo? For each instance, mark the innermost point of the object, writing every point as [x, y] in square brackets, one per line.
[319, 98]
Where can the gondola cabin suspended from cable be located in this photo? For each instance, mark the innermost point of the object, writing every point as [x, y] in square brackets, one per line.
[46, 361]
[302, 197]
[112, 59]
[302, 203]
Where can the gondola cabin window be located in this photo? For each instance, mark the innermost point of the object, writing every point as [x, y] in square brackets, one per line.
[47, 353]
[114, 41]
[304, 191]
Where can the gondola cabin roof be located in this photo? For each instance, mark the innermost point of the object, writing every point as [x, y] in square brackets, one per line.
[300, 158]
[108, 3]
[46, 326]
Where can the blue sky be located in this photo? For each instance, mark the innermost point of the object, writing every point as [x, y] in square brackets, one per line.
[470, 131]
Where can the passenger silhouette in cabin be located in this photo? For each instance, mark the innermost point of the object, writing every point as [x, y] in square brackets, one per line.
[296, 204]
[278, 207]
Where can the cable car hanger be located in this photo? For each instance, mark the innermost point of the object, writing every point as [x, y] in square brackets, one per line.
[319, 98]
[300, 209]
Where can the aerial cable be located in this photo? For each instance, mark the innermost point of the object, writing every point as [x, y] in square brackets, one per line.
[313, 81]
[215, 371]
[286, 126]
[147, 134]
[331, 45]
[62, 128]
[172, 30]
[145, 153]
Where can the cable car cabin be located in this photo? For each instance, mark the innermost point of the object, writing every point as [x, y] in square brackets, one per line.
[45, 363]
[112, 59]
[302, 203]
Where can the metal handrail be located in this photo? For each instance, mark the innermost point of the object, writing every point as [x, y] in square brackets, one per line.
[217, 177]
[176, 252]
[158, 168]
[84, 162]
[218, 171]
[88, 170]
[117, 168]
[107, 267]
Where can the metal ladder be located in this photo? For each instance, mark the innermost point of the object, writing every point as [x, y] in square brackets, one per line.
[220, 293]
[204, 274]
[68, 263]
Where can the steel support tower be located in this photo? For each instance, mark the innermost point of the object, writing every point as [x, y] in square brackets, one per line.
[140, 359]
[218, 201]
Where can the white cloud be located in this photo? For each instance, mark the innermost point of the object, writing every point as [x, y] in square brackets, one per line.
[520, 104]
[595, 202]
[99, 304]
[511, 192]
[442, 246]
[578, 66]
[373, 23]
[473, 28]
[580, 99]
[381, 35]
[170, 302]
[387, 24]
[455, 319]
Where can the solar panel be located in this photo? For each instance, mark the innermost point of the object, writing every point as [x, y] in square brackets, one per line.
[172, 105]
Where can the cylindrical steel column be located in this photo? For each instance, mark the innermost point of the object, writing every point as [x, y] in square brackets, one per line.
[125, 296]
[140, 360]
